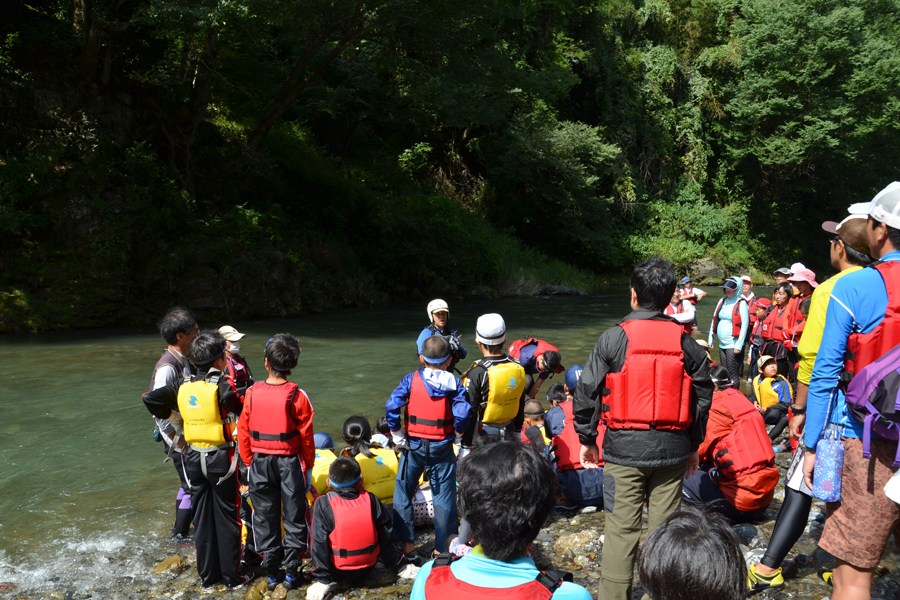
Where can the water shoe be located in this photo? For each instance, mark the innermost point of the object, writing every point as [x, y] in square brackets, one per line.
[758, 582]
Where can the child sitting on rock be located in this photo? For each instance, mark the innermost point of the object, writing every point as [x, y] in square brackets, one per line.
[351, 531]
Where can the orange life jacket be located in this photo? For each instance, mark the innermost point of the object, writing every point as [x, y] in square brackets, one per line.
[427, 417]
[272, 427]
[515, 349]
[354, 539]
[652, 389]
[567, 446]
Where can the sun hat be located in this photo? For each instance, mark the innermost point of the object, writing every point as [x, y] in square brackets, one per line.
[804, 275]
[573, 374]
[797, 266]
[761, 363]
[230, 333]
[852, 232]
[729, 284]
[886, 206]
[490, 329]
[783, 271]
[685, 280]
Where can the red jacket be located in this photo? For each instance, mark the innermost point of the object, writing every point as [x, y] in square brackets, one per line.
[736, 434]
[301, 415]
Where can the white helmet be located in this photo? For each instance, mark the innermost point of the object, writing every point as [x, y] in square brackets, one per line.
[435, 306]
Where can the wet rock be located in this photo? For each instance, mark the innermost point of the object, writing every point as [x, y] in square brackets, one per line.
[257, 590]
[560, 290]
[279, 593]
[588, 509]
[7, 586]
[483, 291]
[570, 545]
[745, 533]
[54, 596]
[173, 564]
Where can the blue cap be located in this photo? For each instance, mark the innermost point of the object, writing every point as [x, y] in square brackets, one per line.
[685, 280]
[323, 441]
[573, 374]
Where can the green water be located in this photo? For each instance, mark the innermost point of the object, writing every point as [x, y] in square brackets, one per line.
[85, 500]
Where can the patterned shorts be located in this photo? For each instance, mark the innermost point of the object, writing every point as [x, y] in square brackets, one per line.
[857, 528]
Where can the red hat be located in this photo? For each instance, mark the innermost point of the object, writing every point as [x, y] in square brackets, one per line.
[762, 303]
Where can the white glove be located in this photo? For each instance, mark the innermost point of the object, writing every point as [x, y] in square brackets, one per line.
[408, 572]
[463, 451]
[399, 437]
[317, 591]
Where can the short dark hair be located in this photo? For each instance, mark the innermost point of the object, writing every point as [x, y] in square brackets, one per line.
[343, 470]
[282, 352]
[206, 348]
[534, 408]
[381, 425]
[551, 360]
[507, 491]
[654, 282]
[803, 307]
[855, 257]
[693, 555]
[787, 287]
[357, 432]
[495, 350]
[435, 346]
[894, 236]
[178, 320]
[557, 393]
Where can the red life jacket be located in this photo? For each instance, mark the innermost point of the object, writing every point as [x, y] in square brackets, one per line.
[735, 317]
[677, 310]
[272, 427]
[652, 389]
[237, 371]
[427, 417]
[354, 539]
[747, 448]
[567, 446]
[515, 350]
[865, 348]
[442, 584]
[688, 292]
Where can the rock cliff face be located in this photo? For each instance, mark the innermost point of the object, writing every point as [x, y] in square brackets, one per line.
[705, 271]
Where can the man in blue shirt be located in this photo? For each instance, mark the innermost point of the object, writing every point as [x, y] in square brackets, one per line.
[439, 314]
[857, 528]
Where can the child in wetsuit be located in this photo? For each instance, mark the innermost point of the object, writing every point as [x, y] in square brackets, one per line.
[351, 531]
[275, 436]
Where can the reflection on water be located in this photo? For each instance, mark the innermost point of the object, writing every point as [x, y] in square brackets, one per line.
[85, 498]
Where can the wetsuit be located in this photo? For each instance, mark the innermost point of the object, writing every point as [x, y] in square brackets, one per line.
[457, 352]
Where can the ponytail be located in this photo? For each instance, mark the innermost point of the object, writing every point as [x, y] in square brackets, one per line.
[357, 433]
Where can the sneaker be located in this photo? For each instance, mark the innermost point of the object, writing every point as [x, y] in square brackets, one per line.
[409, 559]
[182, 541]
[241, 581]
[759, 582]
[563, 503]
[274, 581]
[292, 581]
[826, 576]
[784, 446]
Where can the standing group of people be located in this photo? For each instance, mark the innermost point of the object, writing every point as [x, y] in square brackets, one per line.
[684, 435]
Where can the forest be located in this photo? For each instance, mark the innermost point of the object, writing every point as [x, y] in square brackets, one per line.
[265, 158]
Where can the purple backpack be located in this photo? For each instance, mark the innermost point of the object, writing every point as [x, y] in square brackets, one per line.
[873, 398]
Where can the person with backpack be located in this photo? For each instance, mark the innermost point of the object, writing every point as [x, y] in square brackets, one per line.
[862, 324]
[849, 252]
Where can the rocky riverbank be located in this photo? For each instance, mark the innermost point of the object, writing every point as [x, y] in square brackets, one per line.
[571, 541]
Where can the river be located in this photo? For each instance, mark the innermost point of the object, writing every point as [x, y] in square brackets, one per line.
[86, 503]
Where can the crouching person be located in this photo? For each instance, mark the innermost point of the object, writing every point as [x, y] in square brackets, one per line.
[351, 531]
[741, 474]
[506, 493]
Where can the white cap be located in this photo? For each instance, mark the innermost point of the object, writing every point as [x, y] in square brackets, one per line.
[230, 333]
[437, 305]
[797, 267]
[886, 206]
[490, 329]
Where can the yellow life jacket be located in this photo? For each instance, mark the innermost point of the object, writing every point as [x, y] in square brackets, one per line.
[204, 427]
[379, 472]
[766, 395]
[324, 458]
[506, 383]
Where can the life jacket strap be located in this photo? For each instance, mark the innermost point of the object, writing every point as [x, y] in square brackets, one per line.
[344, 553]
[274, 437]
[429, 422]
[444, 560]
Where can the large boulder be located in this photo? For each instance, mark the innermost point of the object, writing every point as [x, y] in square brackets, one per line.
[705, 271]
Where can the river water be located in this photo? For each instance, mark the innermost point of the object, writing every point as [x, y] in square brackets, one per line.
[86, 503]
